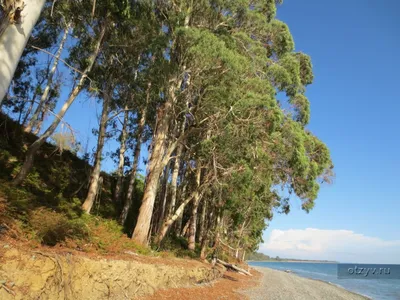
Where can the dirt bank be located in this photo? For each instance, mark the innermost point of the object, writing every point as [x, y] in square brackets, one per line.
[42, 275]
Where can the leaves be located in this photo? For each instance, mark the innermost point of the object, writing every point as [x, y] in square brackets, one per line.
[217, 72]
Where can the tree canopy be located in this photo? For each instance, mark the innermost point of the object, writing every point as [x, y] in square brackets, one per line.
[214, 87]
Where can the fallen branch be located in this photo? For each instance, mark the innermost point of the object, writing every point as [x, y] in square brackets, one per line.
[232, 266]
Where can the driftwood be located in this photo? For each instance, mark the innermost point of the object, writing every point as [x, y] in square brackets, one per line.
[232, 266]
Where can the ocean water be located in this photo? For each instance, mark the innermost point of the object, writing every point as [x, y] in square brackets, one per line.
[375, 289]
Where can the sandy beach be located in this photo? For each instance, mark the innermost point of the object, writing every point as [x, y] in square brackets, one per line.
[265, 284]
[276, 285]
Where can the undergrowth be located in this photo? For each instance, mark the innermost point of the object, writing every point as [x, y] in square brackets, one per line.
[46, 209]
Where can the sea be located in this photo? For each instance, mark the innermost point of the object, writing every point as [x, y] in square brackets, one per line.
[388, 289]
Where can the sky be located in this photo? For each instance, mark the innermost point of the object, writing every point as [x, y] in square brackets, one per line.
[354, 110]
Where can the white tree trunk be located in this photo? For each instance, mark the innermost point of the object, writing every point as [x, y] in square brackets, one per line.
[13, 42]
[121, 162]
[193, 217]
[30, 154]
[94, 178]
[35, 118]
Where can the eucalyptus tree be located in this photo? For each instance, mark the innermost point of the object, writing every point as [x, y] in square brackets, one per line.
[106, 94]
[29, 76]
[16, 24]
[142, 60]
[117, 71]
[205, 79]
[50, 77]
[92, 31]
[254, 145]
[178, 18]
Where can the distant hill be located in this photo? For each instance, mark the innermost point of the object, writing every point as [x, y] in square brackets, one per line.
[256, 256]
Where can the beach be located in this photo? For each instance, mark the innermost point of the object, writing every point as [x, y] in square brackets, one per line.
[265, 284]
[276, 285]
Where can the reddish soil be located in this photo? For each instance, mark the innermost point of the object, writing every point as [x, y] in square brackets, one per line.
[227, 287]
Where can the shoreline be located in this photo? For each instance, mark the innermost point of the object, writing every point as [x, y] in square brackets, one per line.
[278, 284]
[337, 286]
[294, 261]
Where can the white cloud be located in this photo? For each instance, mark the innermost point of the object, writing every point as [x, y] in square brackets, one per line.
[339, 245]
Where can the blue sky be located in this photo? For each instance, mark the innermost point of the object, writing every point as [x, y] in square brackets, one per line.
[354, 109]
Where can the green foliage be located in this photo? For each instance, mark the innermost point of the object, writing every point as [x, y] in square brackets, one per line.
[71, 208]
[172, 242]
[216, 70]
[20, 201]
[52, 227]
[178, 246]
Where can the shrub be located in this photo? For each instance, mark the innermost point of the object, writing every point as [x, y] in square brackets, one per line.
[186, 253]
[71, 208]
[52, 227]
[173, 242]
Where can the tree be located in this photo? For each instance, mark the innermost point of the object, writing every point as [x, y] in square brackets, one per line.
[202, 83]
[35, 118]
[92, 56]
[94, 177]
[50, 130]
[14, 34]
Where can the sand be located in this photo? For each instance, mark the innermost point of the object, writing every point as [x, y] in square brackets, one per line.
[276, 285]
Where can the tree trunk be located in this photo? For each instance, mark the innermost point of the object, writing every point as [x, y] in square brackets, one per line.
[179, 211]
[121, 163]
[132, 179]
[135, 163]
[50, 130]
[217, 228]
[175, 172]
[202, 222]
[29, 110]
[32, 102]
[185, 229]
[163, 198]
[193, 217]
[157, 162]
[178, 222]
[205, 229]
[13, 39]
[41, 119]
[174, 179]
[34, 120]
[140, 234]
[192, 226]
[94, 180]
[203, 248]
[156, 165]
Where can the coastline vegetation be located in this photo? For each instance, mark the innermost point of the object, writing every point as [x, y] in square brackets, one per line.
[210, 95]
